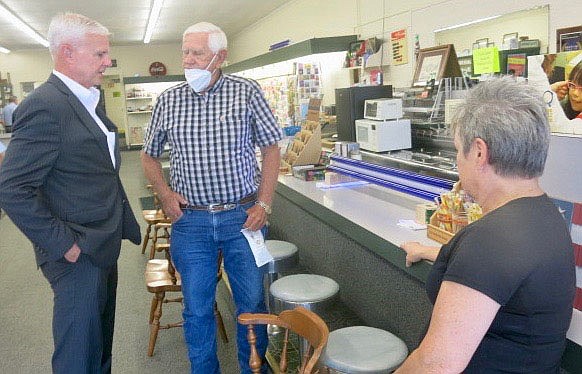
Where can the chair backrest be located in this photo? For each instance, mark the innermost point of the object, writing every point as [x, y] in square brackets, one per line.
[301, 321]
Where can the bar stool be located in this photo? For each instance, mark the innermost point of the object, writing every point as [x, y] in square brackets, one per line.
[362, 349]
[311, 291]
[285, 258]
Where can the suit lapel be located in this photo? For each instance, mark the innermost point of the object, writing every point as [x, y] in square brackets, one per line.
[85, 118]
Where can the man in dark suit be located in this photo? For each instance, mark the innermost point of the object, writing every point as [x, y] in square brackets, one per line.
[60, 185]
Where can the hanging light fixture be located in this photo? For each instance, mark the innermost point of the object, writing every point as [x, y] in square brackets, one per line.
[153, 19]
[21, 26]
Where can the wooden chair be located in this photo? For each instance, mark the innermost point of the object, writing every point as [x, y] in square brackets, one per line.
[161, 277]
[301, 321]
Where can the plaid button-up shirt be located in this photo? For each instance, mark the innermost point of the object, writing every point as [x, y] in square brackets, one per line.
[212, 138]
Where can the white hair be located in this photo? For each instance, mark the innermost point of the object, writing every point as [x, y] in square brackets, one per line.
[216, 37]
[71, 28]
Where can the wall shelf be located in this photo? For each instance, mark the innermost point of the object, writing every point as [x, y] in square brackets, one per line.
[300, 49]
[154, 79]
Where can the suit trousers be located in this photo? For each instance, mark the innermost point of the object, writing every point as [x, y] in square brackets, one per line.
[83, 315]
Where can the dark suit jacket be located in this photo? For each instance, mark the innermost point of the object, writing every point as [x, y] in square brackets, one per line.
[58, 184]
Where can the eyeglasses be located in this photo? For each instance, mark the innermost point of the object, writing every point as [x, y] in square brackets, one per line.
[574, 86]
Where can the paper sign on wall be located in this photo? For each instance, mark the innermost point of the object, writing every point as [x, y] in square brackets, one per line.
[486, 60]
[399, 47]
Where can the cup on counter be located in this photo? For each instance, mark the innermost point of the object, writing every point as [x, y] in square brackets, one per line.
[460, 220]
[445, 220]
[346, 149]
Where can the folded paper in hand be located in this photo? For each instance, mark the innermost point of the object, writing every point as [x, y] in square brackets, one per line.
[258, 246]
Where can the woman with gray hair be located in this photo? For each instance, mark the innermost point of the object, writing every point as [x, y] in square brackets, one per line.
[503, 287]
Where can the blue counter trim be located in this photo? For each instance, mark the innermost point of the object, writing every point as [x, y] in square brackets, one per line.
[395, 186]
[433, 181]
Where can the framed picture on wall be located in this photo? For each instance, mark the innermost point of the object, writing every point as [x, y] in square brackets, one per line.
[432, 63]
[482, 43]
[569, 39]
[508, 37]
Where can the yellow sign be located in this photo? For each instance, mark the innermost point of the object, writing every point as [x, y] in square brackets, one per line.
[486, 60]
[399, 47]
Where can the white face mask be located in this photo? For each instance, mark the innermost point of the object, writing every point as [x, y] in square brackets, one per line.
[199, 79]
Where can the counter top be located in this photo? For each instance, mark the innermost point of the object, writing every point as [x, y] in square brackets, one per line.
[366, 213]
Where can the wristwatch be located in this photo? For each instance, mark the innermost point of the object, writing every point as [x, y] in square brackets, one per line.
[265, 206]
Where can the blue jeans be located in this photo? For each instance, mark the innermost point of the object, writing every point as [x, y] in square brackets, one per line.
[196, 239]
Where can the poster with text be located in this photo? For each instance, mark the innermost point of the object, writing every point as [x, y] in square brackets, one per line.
[399, 47]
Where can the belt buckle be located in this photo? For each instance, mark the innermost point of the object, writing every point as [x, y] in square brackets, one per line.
[214, 207]
[220, 207]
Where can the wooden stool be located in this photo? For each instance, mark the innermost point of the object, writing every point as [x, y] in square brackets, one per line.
[162, 277]
[151, 217]
[362, 349]
[312, 292]
[161, 231]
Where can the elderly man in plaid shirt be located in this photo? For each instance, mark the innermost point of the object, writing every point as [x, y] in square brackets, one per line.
[213, 123]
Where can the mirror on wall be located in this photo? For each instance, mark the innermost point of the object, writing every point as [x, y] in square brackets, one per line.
[533, 23]
[559, 77]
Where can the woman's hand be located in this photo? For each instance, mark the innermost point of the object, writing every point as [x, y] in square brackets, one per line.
[416, 252]
[560, 88]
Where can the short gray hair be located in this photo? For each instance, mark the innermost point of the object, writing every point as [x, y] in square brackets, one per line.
[70, 28]
[216, 37]
[511, 118]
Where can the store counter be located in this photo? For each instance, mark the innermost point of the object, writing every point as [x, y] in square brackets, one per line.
[350, 234]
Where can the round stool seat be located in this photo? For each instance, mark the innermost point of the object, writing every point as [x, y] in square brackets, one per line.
[307, 290]
[363, 349]
[285, 256]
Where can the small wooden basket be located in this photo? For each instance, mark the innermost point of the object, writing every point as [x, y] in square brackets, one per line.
[435, 233]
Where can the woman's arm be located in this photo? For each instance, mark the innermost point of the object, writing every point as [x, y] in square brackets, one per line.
[460, 319]
[416, 252]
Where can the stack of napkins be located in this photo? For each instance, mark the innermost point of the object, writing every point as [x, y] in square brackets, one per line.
[410, 224]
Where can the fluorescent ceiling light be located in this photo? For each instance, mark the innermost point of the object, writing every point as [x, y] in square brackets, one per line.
[154, 14]
[467, 23]
[23, 27]
[4, 50]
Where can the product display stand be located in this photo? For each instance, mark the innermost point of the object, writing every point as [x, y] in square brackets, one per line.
[305, 149]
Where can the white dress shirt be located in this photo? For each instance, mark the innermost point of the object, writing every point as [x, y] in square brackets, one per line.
[89, 97]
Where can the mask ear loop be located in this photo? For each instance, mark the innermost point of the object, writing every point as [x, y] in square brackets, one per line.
[549, 98]
[210, 63]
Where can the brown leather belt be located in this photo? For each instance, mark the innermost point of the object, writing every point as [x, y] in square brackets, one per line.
[220, 207]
